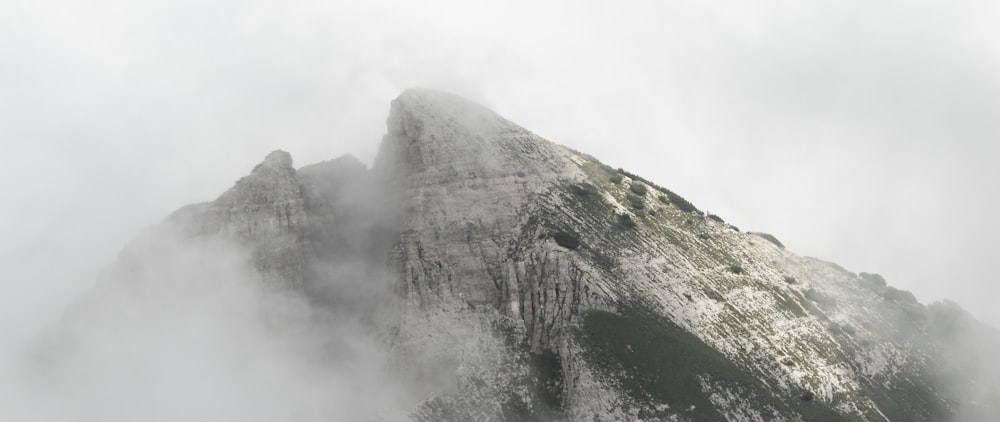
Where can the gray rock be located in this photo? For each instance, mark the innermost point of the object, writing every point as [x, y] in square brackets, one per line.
[447, 247]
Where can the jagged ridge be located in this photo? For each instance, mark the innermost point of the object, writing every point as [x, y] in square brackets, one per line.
[541, 284]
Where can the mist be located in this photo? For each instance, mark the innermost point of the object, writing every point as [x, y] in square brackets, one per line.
[858, 132]
[181, 328]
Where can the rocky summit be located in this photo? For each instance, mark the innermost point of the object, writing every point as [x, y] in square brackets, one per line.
[510, 278]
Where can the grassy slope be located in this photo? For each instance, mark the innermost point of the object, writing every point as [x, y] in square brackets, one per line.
[657, 361]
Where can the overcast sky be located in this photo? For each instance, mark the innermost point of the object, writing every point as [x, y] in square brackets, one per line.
[861, 132]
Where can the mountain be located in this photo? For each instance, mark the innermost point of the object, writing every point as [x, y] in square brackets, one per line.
[509, 278]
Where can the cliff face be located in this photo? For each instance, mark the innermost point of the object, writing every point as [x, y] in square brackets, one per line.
[515, 279]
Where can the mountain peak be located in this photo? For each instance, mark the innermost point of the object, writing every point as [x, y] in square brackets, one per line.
[278, 159]
[522, 280]
[417, 110]
[437, 102]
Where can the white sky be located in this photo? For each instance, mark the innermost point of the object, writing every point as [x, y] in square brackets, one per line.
[860, 132]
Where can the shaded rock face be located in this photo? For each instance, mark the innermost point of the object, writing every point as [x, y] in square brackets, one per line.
[514, 279]
[264, 212]
[470, 257]
[468, 180]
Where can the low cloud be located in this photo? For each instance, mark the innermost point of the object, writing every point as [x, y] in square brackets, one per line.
[180, 329]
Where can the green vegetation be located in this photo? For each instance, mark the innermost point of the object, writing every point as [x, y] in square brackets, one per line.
[584, 197]
[584, 189]
[626, 221]
[714, 295]
[543, 403]
[638, 188]
[896, 295]
[566, 240]
[769, 238]
[661, 362]
[548, 369]
[603, 261]
[910, 399]
[679, 202]
[635, 202]
[789, 304]
[716, 218]
[656, 362]
[515, 409]
[641, 179]
[874, 280]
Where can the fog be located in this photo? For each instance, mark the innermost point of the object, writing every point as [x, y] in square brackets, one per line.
[862, 133]
[182, 329]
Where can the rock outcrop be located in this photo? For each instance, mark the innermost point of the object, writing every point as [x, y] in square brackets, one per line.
[515, 279]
